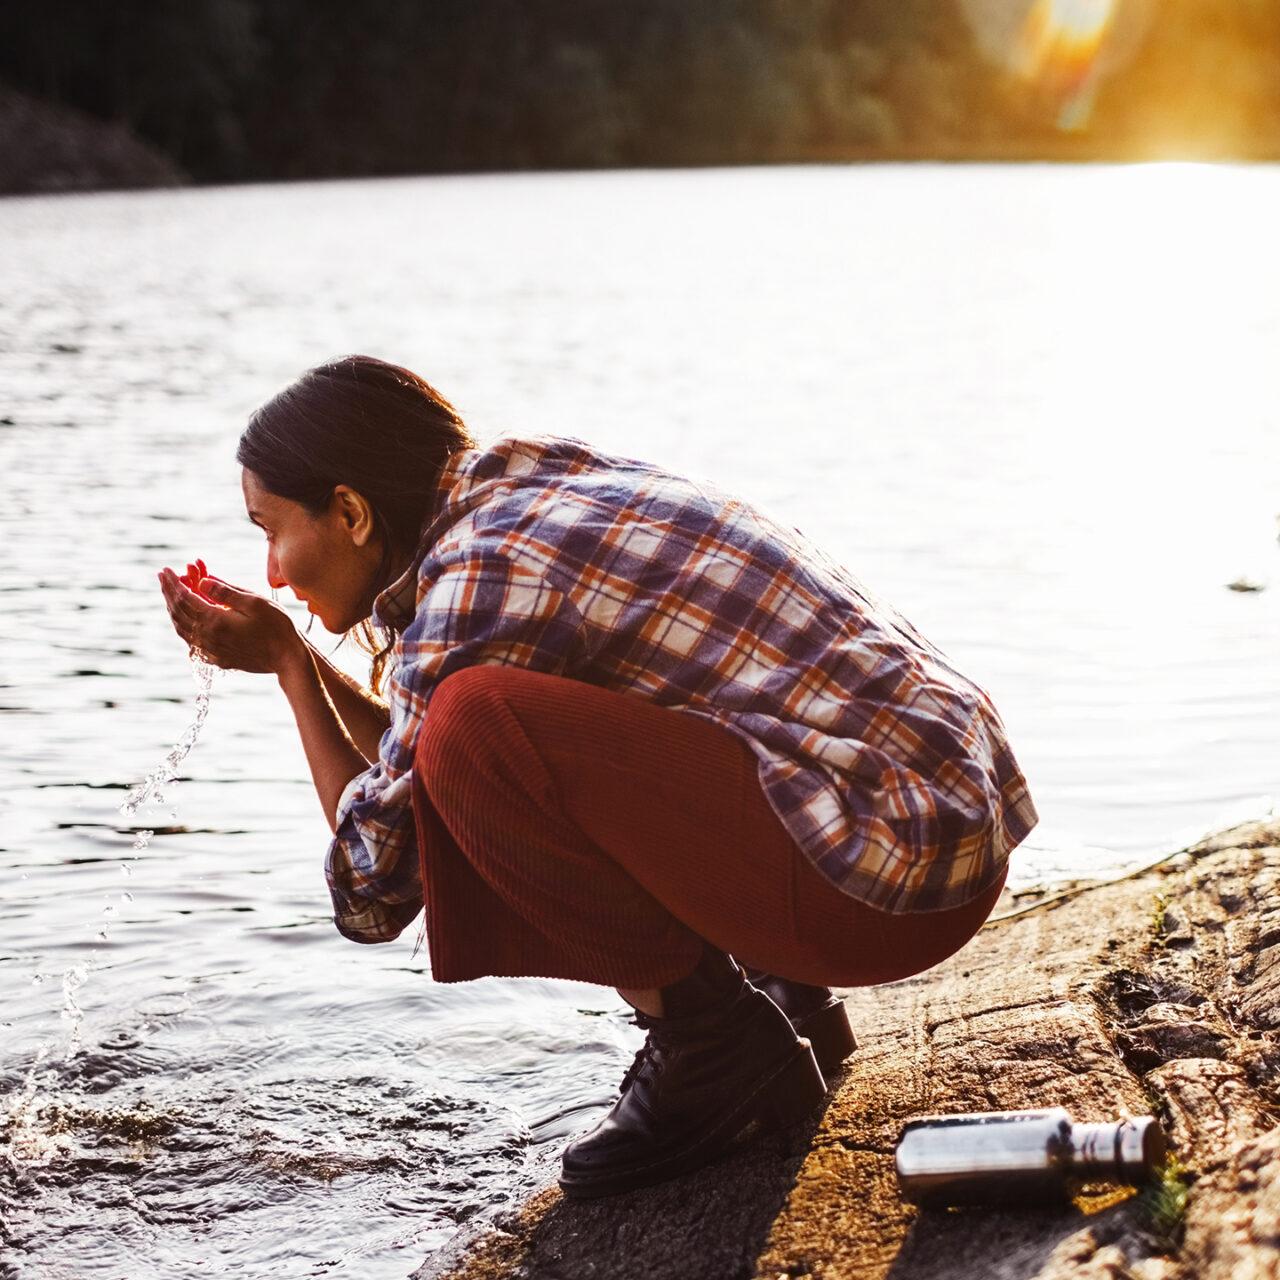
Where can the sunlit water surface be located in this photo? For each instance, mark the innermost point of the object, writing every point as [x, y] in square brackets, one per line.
[1036, 408]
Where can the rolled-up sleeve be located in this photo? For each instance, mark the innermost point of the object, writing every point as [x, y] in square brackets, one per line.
[476, 606]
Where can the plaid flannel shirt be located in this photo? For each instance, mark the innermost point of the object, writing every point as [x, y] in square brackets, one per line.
[890, 769]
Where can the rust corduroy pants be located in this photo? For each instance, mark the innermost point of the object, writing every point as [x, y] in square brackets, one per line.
[566, 831]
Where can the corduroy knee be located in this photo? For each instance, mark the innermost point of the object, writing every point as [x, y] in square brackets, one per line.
[469, 737]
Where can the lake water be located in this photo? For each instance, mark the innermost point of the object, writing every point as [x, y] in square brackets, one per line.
[1035, 407]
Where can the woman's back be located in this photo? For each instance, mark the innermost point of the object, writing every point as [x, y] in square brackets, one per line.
[547, 553]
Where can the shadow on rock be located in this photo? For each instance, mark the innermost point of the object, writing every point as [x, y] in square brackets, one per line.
[712, 1223]
[1002, 1245]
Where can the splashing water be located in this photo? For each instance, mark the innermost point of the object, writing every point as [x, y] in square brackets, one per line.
[151, 793]
[28, 1141]
[151, 790]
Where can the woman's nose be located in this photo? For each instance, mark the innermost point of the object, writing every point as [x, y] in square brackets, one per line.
[274, 580]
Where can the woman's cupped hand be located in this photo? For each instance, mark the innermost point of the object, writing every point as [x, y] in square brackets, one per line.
[226, 626]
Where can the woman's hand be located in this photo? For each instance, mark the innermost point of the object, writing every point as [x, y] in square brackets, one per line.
[195, 574]
[229, 627]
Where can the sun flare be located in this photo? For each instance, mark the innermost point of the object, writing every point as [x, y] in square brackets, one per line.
[1058, 48]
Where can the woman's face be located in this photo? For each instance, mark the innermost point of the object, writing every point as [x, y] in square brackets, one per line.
[329, 559]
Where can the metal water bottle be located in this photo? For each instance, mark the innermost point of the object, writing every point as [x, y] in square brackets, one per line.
[1020, 1156]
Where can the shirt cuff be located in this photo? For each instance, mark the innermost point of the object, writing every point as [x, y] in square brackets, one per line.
[347, 798]
[376, 923]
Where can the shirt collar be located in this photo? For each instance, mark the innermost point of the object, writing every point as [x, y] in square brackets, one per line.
[395, 605]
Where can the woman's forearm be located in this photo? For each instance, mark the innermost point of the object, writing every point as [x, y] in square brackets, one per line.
[365, 716]
[333, 757]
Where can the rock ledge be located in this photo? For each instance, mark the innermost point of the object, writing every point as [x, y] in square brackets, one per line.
[1156, 993]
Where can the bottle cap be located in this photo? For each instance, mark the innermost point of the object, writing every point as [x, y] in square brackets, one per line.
[1140, 1145]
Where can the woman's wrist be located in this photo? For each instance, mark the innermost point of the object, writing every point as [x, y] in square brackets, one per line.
[294, 662]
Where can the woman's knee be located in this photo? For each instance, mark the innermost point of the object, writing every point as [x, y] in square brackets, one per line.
[476, 736]
[452, 733]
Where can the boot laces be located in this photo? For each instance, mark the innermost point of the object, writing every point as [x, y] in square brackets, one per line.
[644, 1054]
[665, 1036]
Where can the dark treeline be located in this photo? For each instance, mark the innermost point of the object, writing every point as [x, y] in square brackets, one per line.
[247, 89]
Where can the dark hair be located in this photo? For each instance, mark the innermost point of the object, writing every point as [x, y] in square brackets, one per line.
[373, 426]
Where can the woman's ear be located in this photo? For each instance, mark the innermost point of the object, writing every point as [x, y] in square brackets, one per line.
[355, 513]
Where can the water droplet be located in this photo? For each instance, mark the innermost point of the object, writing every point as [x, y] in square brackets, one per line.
[151, 790]
[37, 979]
[126, 896]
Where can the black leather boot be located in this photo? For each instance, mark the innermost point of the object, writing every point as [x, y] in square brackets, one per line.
[707, 1071]
[815, 1013]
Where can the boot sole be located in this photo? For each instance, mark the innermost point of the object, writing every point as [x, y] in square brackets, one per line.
[828, 1030]
[782, 1099]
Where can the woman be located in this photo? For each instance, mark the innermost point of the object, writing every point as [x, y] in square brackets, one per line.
[636, 734]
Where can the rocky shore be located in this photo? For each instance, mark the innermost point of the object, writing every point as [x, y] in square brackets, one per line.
[45, 147]
[1156, 994]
